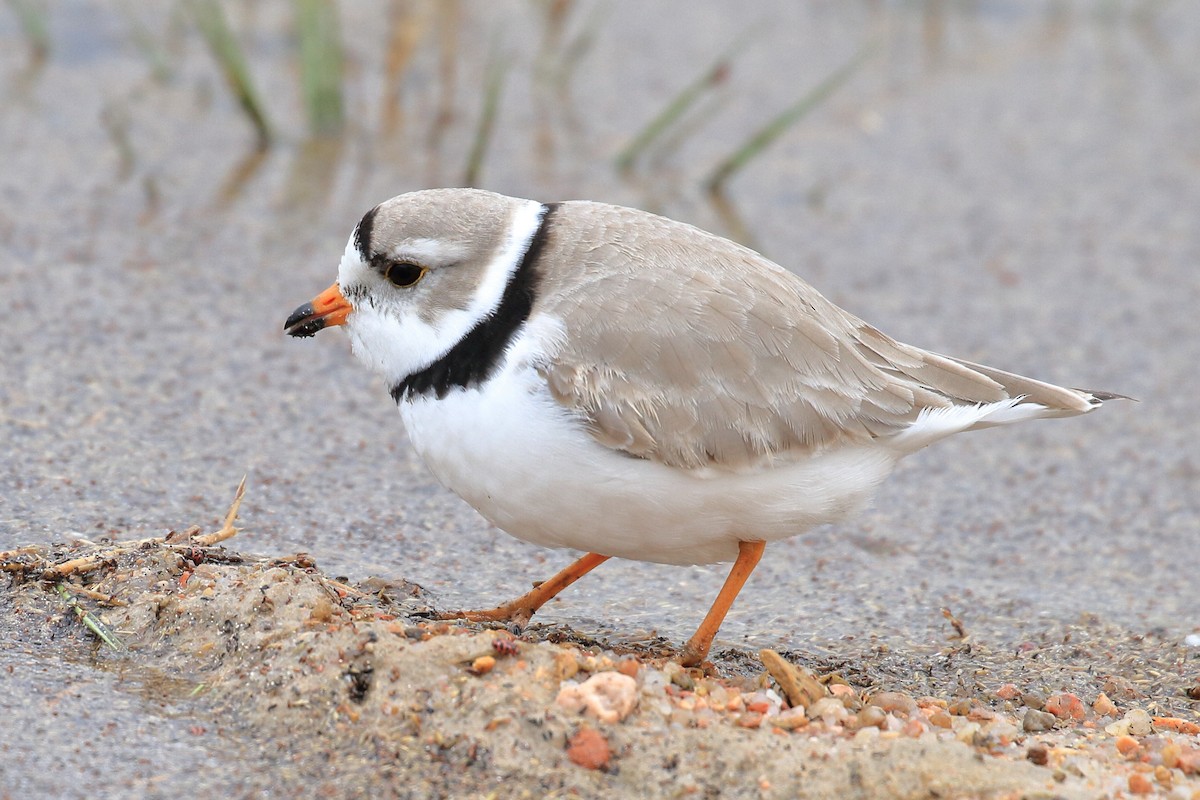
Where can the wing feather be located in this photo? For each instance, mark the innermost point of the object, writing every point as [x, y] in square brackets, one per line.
[692, 350]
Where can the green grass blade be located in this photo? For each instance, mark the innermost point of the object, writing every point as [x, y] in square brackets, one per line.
[710, 78]
[497, 73]
[210, 19]
[32, 19]
[766, 135]
[87, 618]
[320, 64]
[146, 43]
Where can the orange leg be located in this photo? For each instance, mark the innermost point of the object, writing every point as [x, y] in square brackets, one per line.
[524, 607]
[696, 650]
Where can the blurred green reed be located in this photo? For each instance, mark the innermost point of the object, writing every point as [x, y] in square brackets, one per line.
[32, 19]
[497, 71]
[767, 134]
[210, 19]
[320, 64]
[712, 77]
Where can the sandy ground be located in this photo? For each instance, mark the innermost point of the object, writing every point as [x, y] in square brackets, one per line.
[1013, 183]
[364, 695]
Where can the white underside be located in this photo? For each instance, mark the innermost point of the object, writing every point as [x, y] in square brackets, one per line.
[531, 468]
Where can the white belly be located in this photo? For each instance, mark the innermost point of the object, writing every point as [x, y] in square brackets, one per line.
[532, 469]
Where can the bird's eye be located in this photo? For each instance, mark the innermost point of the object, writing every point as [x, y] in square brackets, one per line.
[402, 273]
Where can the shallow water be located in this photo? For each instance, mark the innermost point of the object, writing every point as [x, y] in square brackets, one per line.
[1012, 185]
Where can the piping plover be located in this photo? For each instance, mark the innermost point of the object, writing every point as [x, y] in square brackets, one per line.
[600, 378]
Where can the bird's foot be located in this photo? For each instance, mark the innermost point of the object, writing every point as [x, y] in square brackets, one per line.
[516, 617]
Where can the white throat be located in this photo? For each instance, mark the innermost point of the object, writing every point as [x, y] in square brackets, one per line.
[395, 348]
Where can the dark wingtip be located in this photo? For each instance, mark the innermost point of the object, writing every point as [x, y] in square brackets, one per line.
[303, 322]
[1104, 396]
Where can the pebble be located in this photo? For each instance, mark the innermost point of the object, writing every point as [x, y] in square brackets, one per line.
[751, 719]
[1104, 707]
[589, 749]
[960, 707]
[1127, 745]
[895, 702]
[790, 719]
[608, 696]
[829, 710]
[1136, 722]
[1140, 784]
[1066, 706]
[1039, 754]
[801, 686]
[1038, 721]
[483, 665]
[941, 719]
[1008, 691]
[871, 717]
[1034, 700]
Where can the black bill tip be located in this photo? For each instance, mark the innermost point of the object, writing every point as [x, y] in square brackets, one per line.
[304, 322]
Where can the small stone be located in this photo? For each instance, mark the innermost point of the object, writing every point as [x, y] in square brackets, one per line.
[1038, 721]
[608, 696]
[895, 702]
[829, 710]
[483, 665]
[941, 719]
[1176, 724]
[846, 694]
[1162, 775]
[751, 719]
[1034, 700]
[1140, 784]
[960, 708]
[1170, 755]
[871, 717]
[1039, 754]
[790, 719]
[628, 666]
[589, 749]
[1104, 707]
[1008, 691]
[801, 686]
[1127, 746]
[1066, 706]
[1139, 721]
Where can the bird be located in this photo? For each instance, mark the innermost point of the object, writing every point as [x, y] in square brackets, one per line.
[599, 378]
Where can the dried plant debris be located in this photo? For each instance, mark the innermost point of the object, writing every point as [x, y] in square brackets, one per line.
[359, 685]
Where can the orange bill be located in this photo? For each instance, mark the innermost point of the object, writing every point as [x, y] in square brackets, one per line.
[326, 310]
